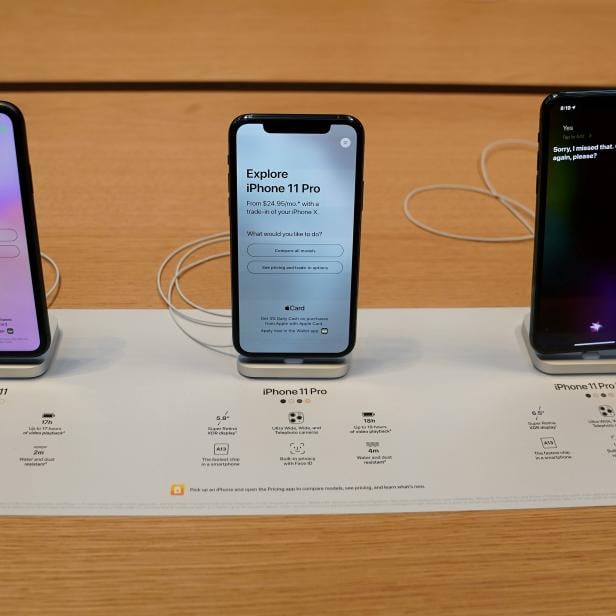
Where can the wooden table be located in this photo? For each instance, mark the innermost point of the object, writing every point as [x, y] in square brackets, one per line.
[123, 177]
[509, 42]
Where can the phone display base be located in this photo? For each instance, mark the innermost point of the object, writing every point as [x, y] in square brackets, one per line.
[34, 366]
[591, 365]
[293, 369]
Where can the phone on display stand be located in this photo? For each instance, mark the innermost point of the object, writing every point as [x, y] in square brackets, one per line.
[573, 310]
[24, 324]
[295, 201]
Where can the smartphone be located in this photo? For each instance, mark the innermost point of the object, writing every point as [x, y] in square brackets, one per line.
[295, 202]
[573, 309]
[24, 324]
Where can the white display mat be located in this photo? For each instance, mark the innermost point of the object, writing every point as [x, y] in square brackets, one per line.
[441, 410]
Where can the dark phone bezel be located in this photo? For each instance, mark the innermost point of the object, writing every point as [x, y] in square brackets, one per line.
[541, 193]
[27, 201]
[309, 123]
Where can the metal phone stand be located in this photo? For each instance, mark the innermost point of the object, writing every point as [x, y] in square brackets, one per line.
[293, 368]
[33, 366]
[589, 363]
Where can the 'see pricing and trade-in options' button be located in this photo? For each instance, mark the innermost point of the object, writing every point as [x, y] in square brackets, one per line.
[295, 267]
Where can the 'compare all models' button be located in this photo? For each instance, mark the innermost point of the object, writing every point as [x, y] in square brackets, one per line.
[295, 250]
[295, 267]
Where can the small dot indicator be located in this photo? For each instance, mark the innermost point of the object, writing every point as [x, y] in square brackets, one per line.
[282, 401]
[588, 395]
[299, 401]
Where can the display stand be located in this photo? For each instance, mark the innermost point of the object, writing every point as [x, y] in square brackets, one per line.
[588, 363]
[318, 368]
[33, 366]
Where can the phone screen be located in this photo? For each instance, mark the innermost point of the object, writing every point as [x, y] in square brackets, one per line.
[575, 270]
[19, 329]
[297, 211]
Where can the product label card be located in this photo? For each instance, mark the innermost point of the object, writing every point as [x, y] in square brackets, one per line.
[441, 410]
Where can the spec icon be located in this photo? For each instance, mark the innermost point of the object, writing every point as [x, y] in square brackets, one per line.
[297, 448]
[606, 410]
[296, 417]
[221, 449]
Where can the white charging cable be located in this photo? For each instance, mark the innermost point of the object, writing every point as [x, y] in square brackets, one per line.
[519, 210]
[184, 252]
[216, 319]
[53, 290]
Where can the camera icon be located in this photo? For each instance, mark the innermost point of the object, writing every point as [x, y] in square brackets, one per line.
[296, 417]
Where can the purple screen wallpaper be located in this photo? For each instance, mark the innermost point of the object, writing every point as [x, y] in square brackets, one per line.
[18, 323]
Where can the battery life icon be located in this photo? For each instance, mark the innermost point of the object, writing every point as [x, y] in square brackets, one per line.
[368, 414]
[48, 415]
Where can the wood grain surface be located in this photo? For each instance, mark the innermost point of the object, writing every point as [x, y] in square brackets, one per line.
[565, 42]
[501, 562]
[120, 180]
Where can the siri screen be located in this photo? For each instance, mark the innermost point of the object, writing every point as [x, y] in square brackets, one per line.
[575, 278]
[18, 321]
[296, 196]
